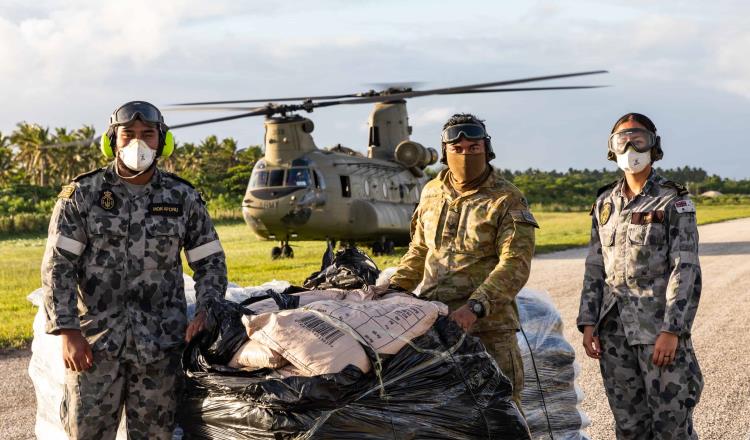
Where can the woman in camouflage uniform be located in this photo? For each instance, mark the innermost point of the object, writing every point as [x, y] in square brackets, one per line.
[641, 290]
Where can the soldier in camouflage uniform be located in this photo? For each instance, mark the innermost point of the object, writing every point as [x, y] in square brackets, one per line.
[113, 285]
[641, 290]
[472, 240]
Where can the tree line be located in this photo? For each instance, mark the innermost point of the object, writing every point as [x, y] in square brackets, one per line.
[31, 172]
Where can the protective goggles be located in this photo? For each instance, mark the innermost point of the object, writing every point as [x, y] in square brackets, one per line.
[468, 131]
[640, 139]
[130, 111]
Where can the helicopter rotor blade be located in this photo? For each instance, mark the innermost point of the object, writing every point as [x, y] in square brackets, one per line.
[260, 112]
[460, 89]
[78, 143]
[523, 89]
[299, 98]
[210, 108]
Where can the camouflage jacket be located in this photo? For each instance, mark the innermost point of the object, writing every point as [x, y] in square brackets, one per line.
[643, 259]
[476, 245]
[112, 264]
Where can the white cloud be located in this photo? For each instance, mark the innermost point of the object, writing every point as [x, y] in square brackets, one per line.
[430, 116]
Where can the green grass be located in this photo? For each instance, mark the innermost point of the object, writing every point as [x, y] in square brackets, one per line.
[250, 263]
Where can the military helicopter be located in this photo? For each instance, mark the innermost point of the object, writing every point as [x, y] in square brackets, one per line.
[299, 191]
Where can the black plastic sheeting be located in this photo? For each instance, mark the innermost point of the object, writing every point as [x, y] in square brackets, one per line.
[348, 268]
[443, 385]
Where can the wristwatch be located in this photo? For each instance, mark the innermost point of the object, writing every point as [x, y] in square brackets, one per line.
[476, 307]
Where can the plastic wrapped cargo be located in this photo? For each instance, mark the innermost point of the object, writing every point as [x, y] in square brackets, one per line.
[47, 372]
[348, 268]
[550, 397]
[442, 385]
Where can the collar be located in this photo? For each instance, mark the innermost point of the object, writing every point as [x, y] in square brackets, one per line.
[111, 177]
[489, 182]
[650, 188]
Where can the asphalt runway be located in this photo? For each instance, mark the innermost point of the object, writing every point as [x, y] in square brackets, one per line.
[721, 331]
[721, 336]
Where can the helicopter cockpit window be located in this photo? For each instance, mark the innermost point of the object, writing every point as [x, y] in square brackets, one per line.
[298, 177]
[276, 178]
[259, 179]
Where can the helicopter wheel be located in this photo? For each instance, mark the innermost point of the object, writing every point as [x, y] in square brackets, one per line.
[377, 248]
[275, 253]
[287, 251]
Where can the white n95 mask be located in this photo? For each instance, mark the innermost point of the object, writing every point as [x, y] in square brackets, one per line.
[137, 155]
[632, 161]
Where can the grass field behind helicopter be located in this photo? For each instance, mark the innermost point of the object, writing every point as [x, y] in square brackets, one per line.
[249, 261]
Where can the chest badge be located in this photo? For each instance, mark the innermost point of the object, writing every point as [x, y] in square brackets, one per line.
[605, 213]
[107, 201]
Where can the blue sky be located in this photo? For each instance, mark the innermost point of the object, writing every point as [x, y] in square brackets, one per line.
[682, 63]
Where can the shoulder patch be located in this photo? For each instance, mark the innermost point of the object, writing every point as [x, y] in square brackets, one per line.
[601, 190]
[684, 206]
[523, 216]
[67, 191]
[680, 188]
[87, 174]
[178, 178]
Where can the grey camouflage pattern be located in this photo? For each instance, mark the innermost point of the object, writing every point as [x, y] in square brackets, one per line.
[648, 402]
[93, 399]
[650, 271]
[128, 275]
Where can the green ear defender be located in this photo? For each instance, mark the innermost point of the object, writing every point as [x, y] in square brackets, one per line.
[106, 146]
[168, 147]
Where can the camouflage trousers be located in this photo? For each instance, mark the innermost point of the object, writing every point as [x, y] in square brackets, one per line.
[502, 345]
[648, 402]
[94, 398]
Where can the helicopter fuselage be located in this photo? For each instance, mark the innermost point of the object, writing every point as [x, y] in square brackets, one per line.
[336, 195]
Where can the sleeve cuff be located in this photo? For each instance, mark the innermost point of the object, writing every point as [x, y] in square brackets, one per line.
[484, 300]
[582, 324]
[671, 328]
[54, 327]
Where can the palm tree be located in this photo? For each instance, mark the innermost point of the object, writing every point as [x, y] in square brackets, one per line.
[7, 167]
[37, 161]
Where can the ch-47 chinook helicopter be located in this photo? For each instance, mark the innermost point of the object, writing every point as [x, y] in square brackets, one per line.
[300, 191]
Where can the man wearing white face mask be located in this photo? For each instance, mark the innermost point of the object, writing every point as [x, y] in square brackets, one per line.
[113, 285]
[641, 290]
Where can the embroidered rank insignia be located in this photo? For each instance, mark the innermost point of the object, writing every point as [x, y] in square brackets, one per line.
[684, 206]
[165, 209]
[107, 200]
[605, 213]
[66, 192]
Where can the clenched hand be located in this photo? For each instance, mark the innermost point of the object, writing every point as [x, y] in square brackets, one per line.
[196, 325]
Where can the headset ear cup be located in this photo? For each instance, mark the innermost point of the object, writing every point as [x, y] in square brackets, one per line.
[657, 153]
[488, 148]
[168, 148]
[105, 145]
[611, 156]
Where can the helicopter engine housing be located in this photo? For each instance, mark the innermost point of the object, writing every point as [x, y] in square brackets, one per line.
[412, 154]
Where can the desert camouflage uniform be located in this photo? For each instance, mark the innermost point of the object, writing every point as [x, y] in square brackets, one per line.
[476, 245]
[112, 269]
[642, 278]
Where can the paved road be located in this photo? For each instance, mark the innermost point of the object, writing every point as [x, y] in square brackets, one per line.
[721, 332]
[721, 339]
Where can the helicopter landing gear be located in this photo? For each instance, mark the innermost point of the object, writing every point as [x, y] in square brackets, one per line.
[284, 250]
[383, 247]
